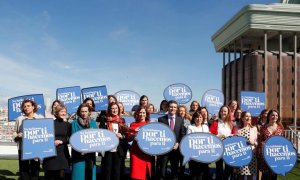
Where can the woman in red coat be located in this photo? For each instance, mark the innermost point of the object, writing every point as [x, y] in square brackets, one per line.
[140, 163]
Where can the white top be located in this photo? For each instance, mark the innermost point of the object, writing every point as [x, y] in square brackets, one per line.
[115, 127]
[223, 129]
[192, 128]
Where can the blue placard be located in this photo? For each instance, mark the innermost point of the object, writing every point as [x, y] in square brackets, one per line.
[98, 94]
[179, 92]
[128, 98]
[155, 139]
[237, 151]
[254, 102]
[128, 120]
[70, 97]
[14, 105]
[213, 100]
[154, 117]
[280, 154]
[94, 140]
[38, 139]
[201, 147]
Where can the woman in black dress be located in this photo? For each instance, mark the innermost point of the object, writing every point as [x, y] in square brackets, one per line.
[55, 166]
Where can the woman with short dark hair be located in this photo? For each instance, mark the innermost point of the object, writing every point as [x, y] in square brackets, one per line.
[198, 170]
[83, 164]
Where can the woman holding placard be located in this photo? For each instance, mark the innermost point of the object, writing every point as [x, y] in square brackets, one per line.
[54, 167]
[28, 169]
[83, 164]
[273, 127]
[198, 170]
[250, 132]
[140, 163]
[223, 128]
[111, 162]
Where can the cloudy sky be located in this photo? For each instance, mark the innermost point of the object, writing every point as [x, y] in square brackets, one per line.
[139, 45]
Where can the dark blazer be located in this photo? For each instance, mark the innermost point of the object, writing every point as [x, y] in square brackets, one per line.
[179, 128]
[174, 155]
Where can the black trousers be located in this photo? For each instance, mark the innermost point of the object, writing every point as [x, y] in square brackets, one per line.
[269, 176]
[111, 166]
[221, 173]
[174, 157]
[55, 175]
[28, 169]
[198, 171]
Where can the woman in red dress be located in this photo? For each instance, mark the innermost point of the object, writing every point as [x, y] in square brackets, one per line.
[140, 163]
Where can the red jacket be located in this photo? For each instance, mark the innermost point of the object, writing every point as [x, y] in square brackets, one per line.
[214, 128]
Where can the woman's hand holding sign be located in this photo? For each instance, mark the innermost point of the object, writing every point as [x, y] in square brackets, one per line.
[58, 142]
[176, 146]
[119, 135]
[19, 135]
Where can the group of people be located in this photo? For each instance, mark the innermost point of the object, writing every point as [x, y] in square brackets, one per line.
[231, 120]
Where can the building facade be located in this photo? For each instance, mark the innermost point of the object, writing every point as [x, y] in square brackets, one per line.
[261, 53]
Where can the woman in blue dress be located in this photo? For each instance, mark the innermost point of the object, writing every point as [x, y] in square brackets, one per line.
[83, 164]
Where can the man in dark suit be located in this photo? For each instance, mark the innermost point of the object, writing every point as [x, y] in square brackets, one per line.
[176, 124]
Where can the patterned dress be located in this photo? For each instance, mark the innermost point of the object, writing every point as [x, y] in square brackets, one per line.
[265, 134]
[250, 169]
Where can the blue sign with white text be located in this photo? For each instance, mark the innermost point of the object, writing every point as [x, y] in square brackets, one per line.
[128, 98]
[98, 94]
[155, 139]
[14, 105]
[94, 140]
[280, 154]
[179, 92]
[237, 151]
[254, 102]
[213, 100]
[154, 117]
[38, 139]
[128, 120]
[201, 147]
[70, 97]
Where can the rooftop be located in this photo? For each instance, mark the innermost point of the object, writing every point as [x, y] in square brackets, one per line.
[252, 21]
